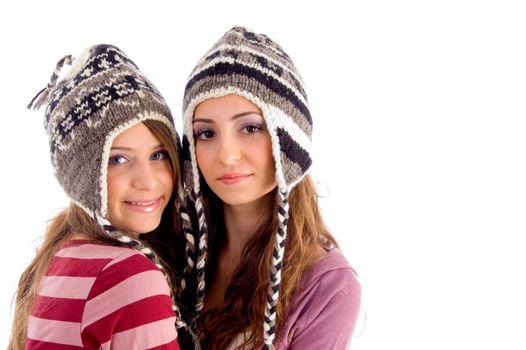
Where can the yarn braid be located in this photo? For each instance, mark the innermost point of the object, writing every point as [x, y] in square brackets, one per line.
[136, 244]
[190, 245]
[202, 250]
[269, 325]
[190, 248]
[150, 254]
[186, 223]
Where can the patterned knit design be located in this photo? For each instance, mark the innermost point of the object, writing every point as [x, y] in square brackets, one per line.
[104, 94]
[253, 66]
[96, 296]
[244, 61]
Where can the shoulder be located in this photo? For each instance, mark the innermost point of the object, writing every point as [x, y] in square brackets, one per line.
[129, 269]
[107, 290]
[130, 294]
[331, 274]
[328, 289]
[324, 309]
[117, 272]
[93, 250]
[115, 258]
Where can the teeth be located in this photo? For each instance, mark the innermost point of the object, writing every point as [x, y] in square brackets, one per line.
[143, 204]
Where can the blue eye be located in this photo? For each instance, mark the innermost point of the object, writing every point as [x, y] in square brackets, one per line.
[204, 134]
[159, 155]
[117, 159]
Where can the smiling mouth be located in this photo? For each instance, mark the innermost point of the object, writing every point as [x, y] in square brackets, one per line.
[146, 206]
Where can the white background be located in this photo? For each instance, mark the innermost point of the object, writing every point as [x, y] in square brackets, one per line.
[419, 138]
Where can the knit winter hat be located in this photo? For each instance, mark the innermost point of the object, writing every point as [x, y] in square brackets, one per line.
[104, 94]
[249, 64]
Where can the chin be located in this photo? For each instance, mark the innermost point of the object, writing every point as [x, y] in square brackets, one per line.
[229, 200]
[143, 227]
[232, 198]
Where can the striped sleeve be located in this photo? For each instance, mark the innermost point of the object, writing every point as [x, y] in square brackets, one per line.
[129, 307]
[54, 322]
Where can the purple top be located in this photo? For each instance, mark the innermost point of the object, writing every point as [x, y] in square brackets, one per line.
[323, 311]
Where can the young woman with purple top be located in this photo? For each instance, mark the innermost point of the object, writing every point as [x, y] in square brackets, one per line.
[269, 273]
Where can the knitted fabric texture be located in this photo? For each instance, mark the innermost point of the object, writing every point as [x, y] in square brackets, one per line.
[104, 94]
[252, 65]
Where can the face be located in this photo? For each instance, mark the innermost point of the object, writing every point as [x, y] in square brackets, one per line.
[233, 149]
[140, 181]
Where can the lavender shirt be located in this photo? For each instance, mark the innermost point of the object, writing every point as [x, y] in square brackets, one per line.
[323, 311]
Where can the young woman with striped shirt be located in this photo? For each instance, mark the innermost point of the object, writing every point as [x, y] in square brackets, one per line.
[94, 284]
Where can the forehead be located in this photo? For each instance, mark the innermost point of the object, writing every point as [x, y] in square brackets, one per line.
[137, 136]
[224, 106]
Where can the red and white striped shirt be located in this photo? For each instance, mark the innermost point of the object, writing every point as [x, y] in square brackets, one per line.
[96, 296]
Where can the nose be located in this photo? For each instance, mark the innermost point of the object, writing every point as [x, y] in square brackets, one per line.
[144, 176]
[229, 150]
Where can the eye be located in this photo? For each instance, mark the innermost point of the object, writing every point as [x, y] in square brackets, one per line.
[252, 128]
[204, 134]
[159, 155]
[117, 159]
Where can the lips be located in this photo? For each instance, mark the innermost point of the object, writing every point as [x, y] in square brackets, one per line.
[145, 205]
[233, 178]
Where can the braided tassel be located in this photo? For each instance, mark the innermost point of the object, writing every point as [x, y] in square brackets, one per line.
[202, 251]
[43, 95]
[190, 253]
[150, 254]
[269, 325]
[190, 242]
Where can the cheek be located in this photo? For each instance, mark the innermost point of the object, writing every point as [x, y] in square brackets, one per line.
[115, 190]
[204, 157]
[113, 183]
[263, 151]
[165, 176]
[169, 181]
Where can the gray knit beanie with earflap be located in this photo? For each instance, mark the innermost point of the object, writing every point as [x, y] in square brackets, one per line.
[252, 65]
[103, 94]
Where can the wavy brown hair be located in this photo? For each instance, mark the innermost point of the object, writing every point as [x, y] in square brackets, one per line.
[74, 220]
[243, 308]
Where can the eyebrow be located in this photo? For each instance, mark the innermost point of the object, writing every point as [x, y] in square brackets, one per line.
[122, 148]
[236, 116]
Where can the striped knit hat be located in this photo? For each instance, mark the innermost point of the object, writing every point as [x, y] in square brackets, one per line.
[251, 65]
[104, 94]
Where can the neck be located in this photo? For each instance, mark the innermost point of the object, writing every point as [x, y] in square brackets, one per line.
[242, 222]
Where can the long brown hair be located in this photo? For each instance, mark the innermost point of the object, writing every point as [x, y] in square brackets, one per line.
[74, 220]
[243, 308]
